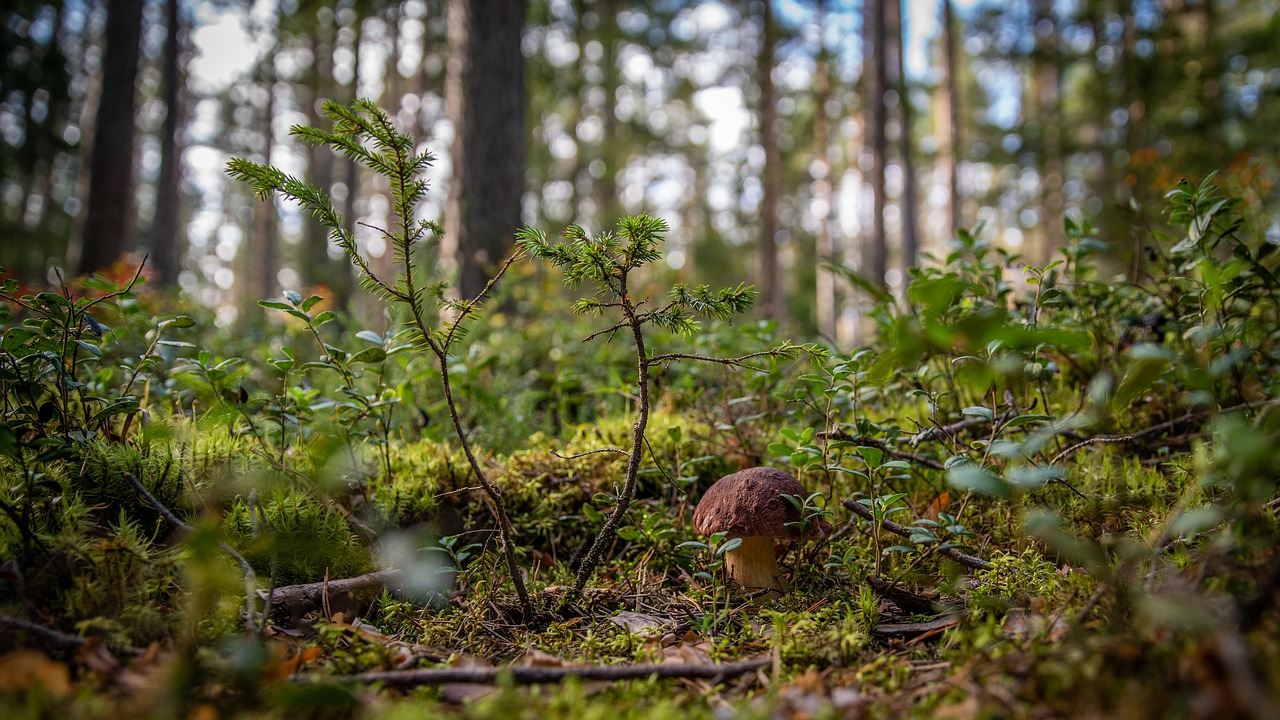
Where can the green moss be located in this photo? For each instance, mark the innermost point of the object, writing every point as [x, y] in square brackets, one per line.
[304, 538]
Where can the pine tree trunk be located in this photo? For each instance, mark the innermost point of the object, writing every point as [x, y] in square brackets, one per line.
[262, 261]
[874, 260]
[910, 232]
[771, 295]
[165, 244]
[1046, 82]
[951, 116]
[824, 250]
[485, 100]
[111, 214]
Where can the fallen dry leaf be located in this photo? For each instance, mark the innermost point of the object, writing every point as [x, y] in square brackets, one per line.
[639, 623]
[24, 669]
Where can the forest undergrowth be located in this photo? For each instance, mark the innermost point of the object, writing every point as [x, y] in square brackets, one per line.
[1053, 490]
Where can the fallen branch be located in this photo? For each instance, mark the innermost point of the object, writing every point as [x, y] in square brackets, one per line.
[920, 628]
[532, 675]
[346, 593]
[903, 598]
[56, 640]
[965, 559]
[939, 431]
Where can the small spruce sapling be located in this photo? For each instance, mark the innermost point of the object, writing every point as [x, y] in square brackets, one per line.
[607, 261]
[364, 133]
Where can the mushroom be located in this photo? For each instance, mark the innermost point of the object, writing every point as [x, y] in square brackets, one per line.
[749, 504]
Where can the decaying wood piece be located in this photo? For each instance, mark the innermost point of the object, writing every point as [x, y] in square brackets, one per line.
[341, 595]
[920, 628]
[532, 675]
[905, 599]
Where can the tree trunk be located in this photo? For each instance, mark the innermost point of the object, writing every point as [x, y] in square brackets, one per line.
[261, 283]
[1046, 82]
[824, 250]
[165, 246]
[484, 99]
[771, 296]
[111, 214]
[951, 116]
[352, 180]
[610, 149]
[910, 233]
[874, 263]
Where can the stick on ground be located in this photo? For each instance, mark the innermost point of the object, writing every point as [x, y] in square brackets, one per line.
[531, 675]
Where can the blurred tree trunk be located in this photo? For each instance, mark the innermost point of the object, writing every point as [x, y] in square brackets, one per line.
[166, 250]
[1046, 83]
[874, 255]
[910, 232]
[949, 130]
[1211, 87]
[111, 214]
[576, 91]
[261, 270]
[352, 180]
[319, 268]
[485, 100]
[611, 147]
[771, 296]
[824, 249]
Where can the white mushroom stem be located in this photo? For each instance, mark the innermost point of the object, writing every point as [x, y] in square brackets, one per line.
[754, 566]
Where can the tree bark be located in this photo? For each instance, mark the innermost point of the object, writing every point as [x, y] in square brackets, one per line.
[111, 215]
[484, 99]
[165, 246]
[824, 247]
[910, 232]
[874, 253]
[771, 296]
[318, 267]
[262, 259]
[1046, 81]
[951, 137]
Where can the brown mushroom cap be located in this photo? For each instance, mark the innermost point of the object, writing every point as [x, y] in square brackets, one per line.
[750, 502]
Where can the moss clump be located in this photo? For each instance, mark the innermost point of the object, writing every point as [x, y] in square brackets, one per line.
[305, 538]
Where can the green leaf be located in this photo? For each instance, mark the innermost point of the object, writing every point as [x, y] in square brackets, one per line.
[872, 456]
[8, 441]
[729, 546]
[115, 408]
[370, 355]
[985, 413]
[972, 478]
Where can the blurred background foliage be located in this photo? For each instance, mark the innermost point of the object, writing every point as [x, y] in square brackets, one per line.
[787, 143]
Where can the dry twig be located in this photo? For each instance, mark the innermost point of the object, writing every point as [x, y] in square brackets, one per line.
[532, 675]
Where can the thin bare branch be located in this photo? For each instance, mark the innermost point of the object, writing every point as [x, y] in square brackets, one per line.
[739, 361]
[51, 639]
[610, 330]
[533, 674]
[618, 451]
